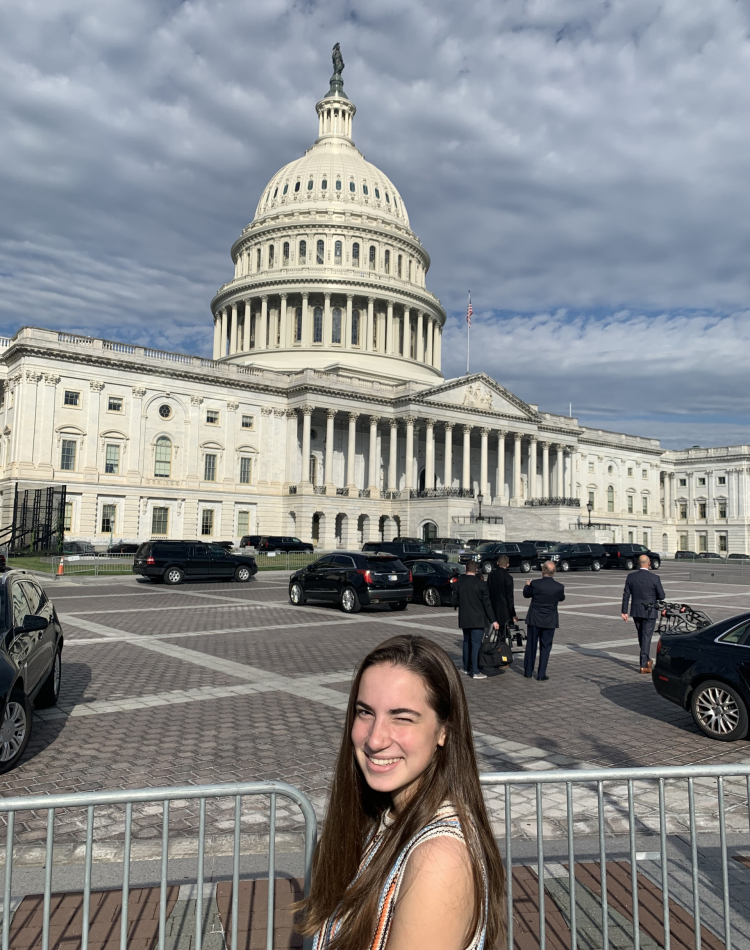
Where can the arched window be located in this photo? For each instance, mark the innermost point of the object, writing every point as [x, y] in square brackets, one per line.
[296, 186]
[372, 257]
[387, 262]
[318, 325]
[309, 185]
[409, 271]
[275, 191]
[387, 198]
[355, 254]
[163, 458]
[319, 257]
[298, 325]
[377, 192]
[338, 184]
[365, 190]
[352, 187]
[270, 255]
[286, 253]
[257, 259]
[337, 252]
[286, 189]
[610, 499]
[355, 327]
[302, 251]
[398, 263]
[324, 184]
[336, 326]
[395, 203]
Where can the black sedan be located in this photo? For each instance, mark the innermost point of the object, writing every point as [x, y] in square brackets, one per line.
[31, 642]
[353, 580]
[434, 580]
[708, 673]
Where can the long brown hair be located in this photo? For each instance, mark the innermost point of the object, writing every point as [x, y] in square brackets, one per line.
[354, 809]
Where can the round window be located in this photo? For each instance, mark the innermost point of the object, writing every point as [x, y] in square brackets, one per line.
[610, 470]
[165, 411]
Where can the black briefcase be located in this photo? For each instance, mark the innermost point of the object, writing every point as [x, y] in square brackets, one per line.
[494, 653]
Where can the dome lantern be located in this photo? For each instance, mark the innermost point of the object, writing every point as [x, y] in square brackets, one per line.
[335, 111]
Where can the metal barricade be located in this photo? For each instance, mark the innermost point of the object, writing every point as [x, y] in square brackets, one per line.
[616, 809]
[127, 798]
[95, 564]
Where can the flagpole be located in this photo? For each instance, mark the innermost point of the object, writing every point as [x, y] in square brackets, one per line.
[468, 333]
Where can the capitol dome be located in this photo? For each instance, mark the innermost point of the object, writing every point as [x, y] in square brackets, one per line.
[329, 275]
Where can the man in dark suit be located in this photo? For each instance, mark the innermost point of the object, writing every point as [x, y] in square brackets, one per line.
[641, 588]
[542, 619]
[500, 586]
[474, 615]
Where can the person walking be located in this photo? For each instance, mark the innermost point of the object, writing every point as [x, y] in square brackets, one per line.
[500, 587]
[542, 619]
[474, 615]
[642, 588]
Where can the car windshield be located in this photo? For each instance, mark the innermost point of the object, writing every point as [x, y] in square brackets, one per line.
[385, 565]
[558, 548]
[487, 546]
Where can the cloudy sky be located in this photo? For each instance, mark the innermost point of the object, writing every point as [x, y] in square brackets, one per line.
[581, 166]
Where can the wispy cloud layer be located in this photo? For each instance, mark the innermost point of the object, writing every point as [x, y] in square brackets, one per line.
[580, 165]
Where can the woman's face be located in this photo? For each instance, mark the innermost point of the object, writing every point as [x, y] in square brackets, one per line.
[395, 731]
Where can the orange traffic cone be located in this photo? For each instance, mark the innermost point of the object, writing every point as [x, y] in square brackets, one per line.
[60, 569]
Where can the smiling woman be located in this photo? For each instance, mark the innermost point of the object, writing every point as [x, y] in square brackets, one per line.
[407, 857]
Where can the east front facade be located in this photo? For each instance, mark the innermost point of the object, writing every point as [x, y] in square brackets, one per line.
[323, 412]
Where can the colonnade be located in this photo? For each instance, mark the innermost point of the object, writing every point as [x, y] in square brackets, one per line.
[309, 319]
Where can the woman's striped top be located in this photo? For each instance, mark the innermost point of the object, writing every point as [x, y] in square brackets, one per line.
[445, 824]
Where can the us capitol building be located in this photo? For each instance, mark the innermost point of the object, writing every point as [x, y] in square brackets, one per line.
[324, 413]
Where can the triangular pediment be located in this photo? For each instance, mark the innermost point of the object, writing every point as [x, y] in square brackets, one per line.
[479, 393]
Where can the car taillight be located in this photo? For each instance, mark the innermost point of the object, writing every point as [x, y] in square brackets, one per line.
[410, 578]
[453, 580]
[618, 554]
[367, 576]
[658, 647]
[150, 561]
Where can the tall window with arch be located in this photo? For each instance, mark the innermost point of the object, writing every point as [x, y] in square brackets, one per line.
[298, 325]
[285, 256]
[355, 327]
[318, 325]
[372, 257]
[302, 252]
[399, 262]
[163, 457]
[409, 271]
[610, 498]
[337, 253]
[387, 262]
[355, 254]
[270, 255]
[320, 253]
[336, 325]
[257, 259]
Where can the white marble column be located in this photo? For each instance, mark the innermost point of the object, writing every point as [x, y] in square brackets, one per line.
[466, 460]
[437, 347]
[328, 465]
[261, 333]
[390, 346]
[247, 325]
[373, 462]
[348, 325]
[351, 452]
[307, 412]
[448, 461]
[407, 333]
[517, 467]
[291, 444]
[233, 336]
[560, 470]
[532, 467]
[327, 324]
[224, 331]
[393, 457]
[572, 474]
[430, 328]
[217, 336]
[429, 454]
[409, 474]
[370, 324]
[484, 485]
[420, 336]
[283, 325]
[500, 484]
[306, 327]
[545, 470]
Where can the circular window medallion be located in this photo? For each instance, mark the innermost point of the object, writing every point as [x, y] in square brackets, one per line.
[165, 411]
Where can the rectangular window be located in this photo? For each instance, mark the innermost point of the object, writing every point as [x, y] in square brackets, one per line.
[71, 398]
[630, 504]
[630, 472]
[243, 522]
[631, 537]
[682, 483]
[68, 455]
[109, 513]
[247, 422]
[313, 470]
[702, 510]
[701, 481]
[682, 542]
[683, 513]
[114, 404]
[722, 509]
[703, 542]
[721, 480]
[645, 504]
[68, 517]
[318, 325]
[159, 521]
[722, 539]
[644, 473]
[645, 538]
[112, 460]
[246, 470]
[591, 500]
[207, 522]
[591, 466]
[212, 416]
[209, 468]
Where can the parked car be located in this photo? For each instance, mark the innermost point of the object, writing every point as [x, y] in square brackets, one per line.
[685, 556]
[446, 545]
[31, 646]
[410, 540]
[353, 580]
[122, 548]
[407, 551]
[708, 673]
[433, 581]
[710, 556]
[227, 545]
[542, 547]
[176, 561]
[522, 555]
[574, 557]
[283, 544]
[626, 555]
[250, 541]
[79, 547]
[738, 557]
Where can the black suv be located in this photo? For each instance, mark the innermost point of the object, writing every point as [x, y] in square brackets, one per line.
[543, 547]
[176, 561]
[685, 556]
[406, 551]
[522, 555]
[572, 557]
[250, 541]
[353, 580]
[626, 555]
[31, 642]
[283, 544]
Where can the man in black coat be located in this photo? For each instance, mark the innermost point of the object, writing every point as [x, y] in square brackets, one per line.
[500, 586]
[542, 619]
[641, 588]
[474, 615]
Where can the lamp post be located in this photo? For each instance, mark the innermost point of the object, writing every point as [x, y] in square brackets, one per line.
[589, 508]
[480, 499]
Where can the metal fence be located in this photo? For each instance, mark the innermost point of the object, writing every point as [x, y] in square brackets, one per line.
[94, 564]
[606, 818]
[50, 804]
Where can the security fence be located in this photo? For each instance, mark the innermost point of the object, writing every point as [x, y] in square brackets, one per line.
[94, 564]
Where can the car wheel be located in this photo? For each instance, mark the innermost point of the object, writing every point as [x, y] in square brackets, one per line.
[719, 711]
[487, 567]
[432, 597]
[50, 691]
[564, 566]
[399, 605]
[173, 575]
[242, 574]
[595, 566]
[655, 564]
[15, 730]
[629, 564]
[349, 601]
[525, 567]
[297, 594]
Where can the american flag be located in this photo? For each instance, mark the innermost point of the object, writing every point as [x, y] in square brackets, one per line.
[469, 311]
